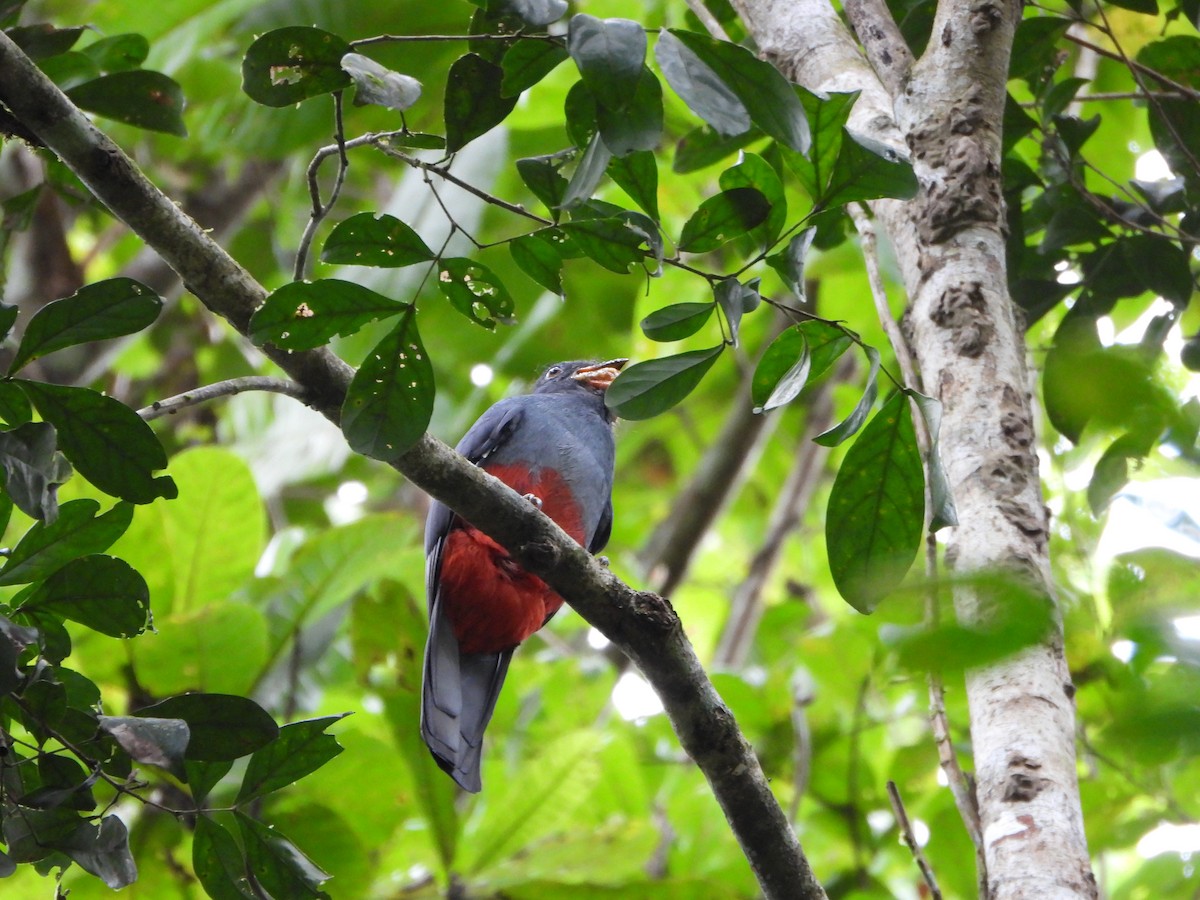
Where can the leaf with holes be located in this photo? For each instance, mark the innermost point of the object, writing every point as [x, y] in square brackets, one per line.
[475, 291]
[222, 726]
[474, 104]
[96, 312]
[291, 64]
[302, 315]
[876, 509]
[676, 322]
[381, 240]
[610, 54]
[648, 388]
[106, 441]
[390, 400]
[723, 217]
[101, 592]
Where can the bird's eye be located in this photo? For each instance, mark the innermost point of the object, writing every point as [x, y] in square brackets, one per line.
[554, 371]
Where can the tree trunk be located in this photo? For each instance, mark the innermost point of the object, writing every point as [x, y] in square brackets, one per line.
[964, 331]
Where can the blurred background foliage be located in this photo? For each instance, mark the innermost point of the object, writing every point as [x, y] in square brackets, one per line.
[290, 570]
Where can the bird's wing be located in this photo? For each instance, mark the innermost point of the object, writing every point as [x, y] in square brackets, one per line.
[603, 529]
[459, 692]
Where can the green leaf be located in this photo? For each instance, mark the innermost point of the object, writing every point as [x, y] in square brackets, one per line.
[610, 54]
[755, 172]
[33, 469]
[648, 388]
[190, 650]
[44, 40]
[291, 64]
[785, 386]
[140, 98]
[368, 239]
[723, 217]
[475, 291]
[218, 863]
[789, 262]
[96, 312]
[390, 400]
[735, 299]
[202, 777]
[1036, 42]
[611, 242]
[541, 175]
[417, 140]
[474, 104]
[154, 742]
[703, 146]
[588, 174]
[301, 748]
[222, 726]
[876, 509]
[103, 851]
[537, 13]
[941, 497]
[101, 592]
[8, 314]
[676, 322]
[538, 259]
[302, 315]
[278, 864]
[77, 532]
[14, 405]
[119, 53]
[637, 175]
[826, 117]
[378, 85]
[867, 170]
[768, 98]
[848, 426]
[527, 62]
[639, 125]
[106, 441]
[702, 89]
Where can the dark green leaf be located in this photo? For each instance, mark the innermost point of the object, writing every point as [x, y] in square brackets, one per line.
[867, 170]
[610, 54]
[96, 312]
[301, 748]
[291, 64]
[609, 242]
[755, 172]
[475, 291]
[766, 95]
[1035, 46]
[390, 400]
[302, 315]
[107, 442]
[638, 126]
[736, 298]
[588, 173]
[35, 833]
[474, 104]
[14, 639]
[378, 85]
[789, 263]
[538, 259]
[118, 53]
[702, 89]
[791, 382]
[222, 726]
[941, 497]
[140, 98]
[537, 13]
[526, 63]
[676, 322]
[218, 863]
[8, 314]
[802, 353]
[826, 117]
[367, 239]
[64, 783]
[579, 114]
[848, 426]
[33, 469]
[704, 146]
[278, 864]
[44, 40]
[152, 741]
[876, 509]
[1075, 131]
[77, 532]
[637, 175]
[541, 175]
[648, 388]
[14, 405]
[1146, 7]
[104, 593]
[202, 777]
[69, 70]
[723, 217]
[418, 140]
[8, 866]
[103, 850]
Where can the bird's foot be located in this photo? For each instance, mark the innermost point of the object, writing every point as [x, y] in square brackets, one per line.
[534, 499]
[603, 560]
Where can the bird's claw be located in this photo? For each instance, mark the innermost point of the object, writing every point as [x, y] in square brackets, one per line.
[603, 560]
[534, 499]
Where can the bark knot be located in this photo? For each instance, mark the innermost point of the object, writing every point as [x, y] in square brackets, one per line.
[1023, 784]
[655, 611]
[985, 17]
[963, 309]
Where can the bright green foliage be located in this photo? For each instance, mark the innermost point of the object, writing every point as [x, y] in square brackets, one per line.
[203, 600]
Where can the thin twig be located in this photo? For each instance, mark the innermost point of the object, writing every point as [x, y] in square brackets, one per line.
[418, 38]
[321, 210]
[911, 840]
[1115, 95]
[708, 20]
[1190, 93]
[233, 386]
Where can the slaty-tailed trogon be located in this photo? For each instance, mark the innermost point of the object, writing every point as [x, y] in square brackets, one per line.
[554, 445]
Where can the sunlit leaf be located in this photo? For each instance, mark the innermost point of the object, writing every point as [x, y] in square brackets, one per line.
[291, 64]
[646, 389]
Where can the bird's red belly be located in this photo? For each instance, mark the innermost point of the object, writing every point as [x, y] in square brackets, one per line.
[492, 603]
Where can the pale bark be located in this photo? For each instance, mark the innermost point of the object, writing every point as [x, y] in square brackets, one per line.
[964, 331]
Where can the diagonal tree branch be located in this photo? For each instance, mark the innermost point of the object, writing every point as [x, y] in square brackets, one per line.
[643, 625]
[886, 48]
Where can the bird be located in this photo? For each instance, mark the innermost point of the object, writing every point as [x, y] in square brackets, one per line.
[555, 446]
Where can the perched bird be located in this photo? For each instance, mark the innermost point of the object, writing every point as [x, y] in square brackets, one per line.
[555, 446]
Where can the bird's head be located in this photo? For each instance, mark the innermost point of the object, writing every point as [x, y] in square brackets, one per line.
[583, 376]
